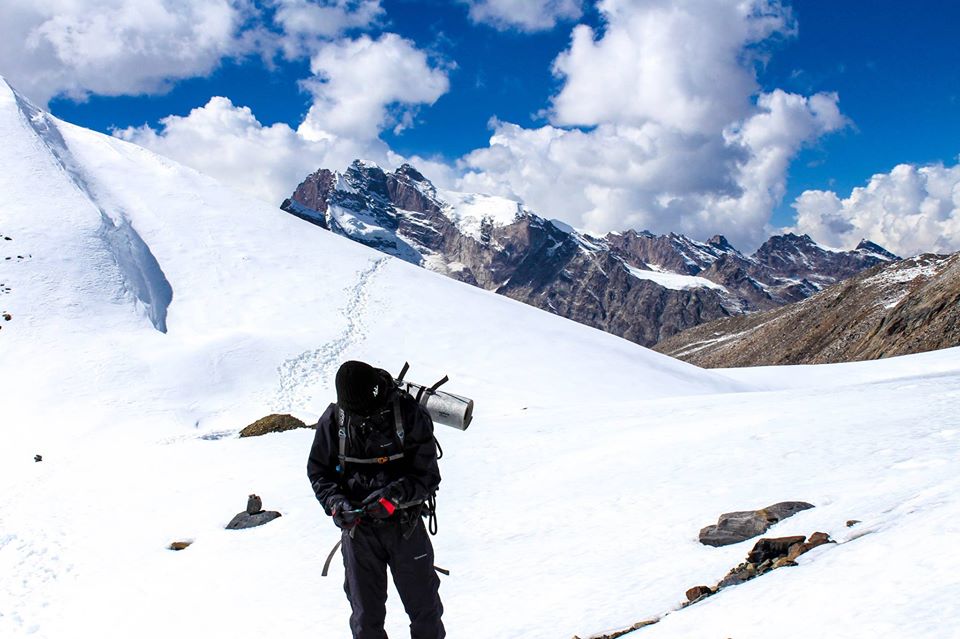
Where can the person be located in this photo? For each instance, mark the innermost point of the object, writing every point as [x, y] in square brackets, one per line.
[373, 467]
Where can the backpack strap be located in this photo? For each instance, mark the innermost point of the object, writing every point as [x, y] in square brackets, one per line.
[343, 422]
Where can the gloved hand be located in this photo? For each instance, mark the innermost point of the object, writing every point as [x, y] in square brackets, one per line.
[381, 504]
[344, 515]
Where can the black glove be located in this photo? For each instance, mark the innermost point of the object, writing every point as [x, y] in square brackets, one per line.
[344, 514]
[381, 504]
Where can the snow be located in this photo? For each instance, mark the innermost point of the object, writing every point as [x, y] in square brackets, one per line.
[674, 281]
[469, 211]
[903, 273]
[570, 506]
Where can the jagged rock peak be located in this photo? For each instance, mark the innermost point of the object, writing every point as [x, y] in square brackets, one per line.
[409, 171]
[720, 242]
[871, 247]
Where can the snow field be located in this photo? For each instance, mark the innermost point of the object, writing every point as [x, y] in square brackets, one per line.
[571, 506]
[555, 521]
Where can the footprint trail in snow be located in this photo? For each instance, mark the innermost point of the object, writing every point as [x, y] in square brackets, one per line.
[301, 375]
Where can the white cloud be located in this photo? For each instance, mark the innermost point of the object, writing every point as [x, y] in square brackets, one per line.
[680, 138]
[362, 86]
[227, 142]
[911, 209]
[305, 24]
[114, 47]
[121, 47]
[655, 177]
[683, 64]
[523, 15]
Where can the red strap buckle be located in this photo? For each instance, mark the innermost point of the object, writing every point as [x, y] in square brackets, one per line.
[388, 505]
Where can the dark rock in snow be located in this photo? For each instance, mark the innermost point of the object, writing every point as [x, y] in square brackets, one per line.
[272, 424]
[179, 545]
[625, 631]
[246, 520]
[816, 539]
[852, 522]
[253, 516]
[767, 550]
[698, 592]
[739, 526]
[38, 458]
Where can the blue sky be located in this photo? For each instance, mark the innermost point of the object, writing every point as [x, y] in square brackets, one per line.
[893, 66]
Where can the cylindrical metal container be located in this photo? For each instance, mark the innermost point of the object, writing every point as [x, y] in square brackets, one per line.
[444, 408]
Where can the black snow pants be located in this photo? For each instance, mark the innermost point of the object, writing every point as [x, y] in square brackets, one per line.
[366, 556]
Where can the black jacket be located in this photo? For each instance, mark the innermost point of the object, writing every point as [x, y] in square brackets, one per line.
[411, 479]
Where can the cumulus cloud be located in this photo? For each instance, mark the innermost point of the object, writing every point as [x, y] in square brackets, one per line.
[683, 64]
[114, 47]
[306, 24]
[911, 209]
[656, 177]
[360, 86]
[364, 85]
[121, 47]
[227, 142]
[523, 15]
[676, 135]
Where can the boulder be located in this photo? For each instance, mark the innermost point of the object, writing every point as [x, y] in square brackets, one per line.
[272, 424]
[698, 592]
[246, 520]
[734, 527]
[816, 539]
[253, 516]
[768, 550]
[179, 545]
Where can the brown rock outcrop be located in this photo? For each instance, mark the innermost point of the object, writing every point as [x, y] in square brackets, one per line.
[910, 306]
[276, 423]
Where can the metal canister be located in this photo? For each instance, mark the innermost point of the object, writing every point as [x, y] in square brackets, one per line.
[444, 408]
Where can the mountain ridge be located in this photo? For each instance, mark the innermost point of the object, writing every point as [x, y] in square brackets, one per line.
[906, 307]
[634, 284]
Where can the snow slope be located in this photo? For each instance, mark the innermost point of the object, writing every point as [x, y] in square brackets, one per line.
[155, 312]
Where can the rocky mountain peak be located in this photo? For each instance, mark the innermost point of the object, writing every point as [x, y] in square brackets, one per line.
[866, 246]
[720, 242]
[411, 173]
[635, 284]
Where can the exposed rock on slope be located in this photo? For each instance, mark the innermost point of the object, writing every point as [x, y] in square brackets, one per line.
[732, 528]
[635, 284]
[276, 423]
[909, 306]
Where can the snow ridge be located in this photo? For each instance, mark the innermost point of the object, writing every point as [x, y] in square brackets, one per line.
[142, 276]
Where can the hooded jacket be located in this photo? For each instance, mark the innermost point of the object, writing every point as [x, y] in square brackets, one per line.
[411, 479]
